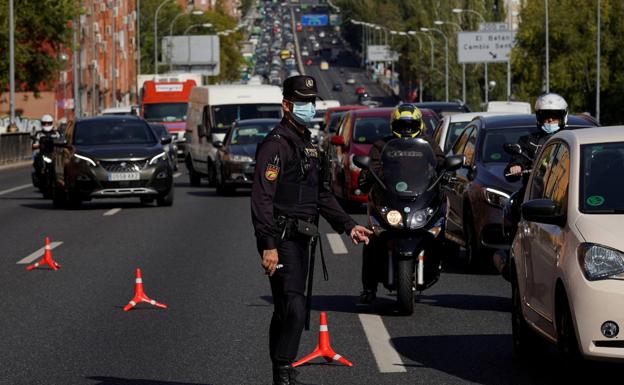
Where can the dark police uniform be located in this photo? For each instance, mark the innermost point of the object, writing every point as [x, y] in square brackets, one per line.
[288, 186]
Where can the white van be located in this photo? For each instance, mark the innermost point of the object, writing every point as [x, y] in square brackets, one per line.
[211, 112]
[509, 107]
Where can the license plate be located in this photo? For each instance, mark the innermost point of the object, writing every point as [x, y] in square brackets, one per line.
[117, 176]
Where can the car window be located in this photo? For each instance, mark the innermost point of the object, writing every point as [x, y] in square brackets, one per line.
[461, 140]
[429, 123]
[469, 150]
[558, 179]
[492, 148]
[541, 169]
[370, 129]
[249, 134]
[601, 191]
[110, 132]
[437, 133]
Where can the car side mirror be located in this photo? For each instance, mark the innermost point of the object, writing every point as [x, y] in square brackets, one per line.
[338, 140]
[454, 162]
[166, 140]
[217, 144]
[512, 148]
[362, 161]
[543, 211]
[201, 130]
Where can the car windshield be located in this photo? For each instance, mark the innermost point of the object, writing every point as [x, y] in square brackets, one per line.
[454, 130]
[160, 130]
[334, 120]
[250, 134]
[223, 116]
[370, 129]
[601, 191]
[495, 139]
[165, 112]
[107, 132]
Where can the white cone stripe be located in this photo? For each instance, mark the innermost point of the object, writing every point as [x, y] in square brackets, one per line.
[323, 328]
[139, 280]
[132, 303]
[153, 302]
[39, 253]
[47, 247]
[337, 357]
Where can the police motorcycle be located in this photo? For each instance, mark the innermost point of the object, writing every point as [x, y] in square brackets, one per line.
[43, 175]
[511, 215]
[405, 210]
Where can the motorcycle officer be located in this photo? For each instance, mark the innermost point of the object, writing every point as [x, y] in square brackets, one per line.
[43, 144]
[406, 122]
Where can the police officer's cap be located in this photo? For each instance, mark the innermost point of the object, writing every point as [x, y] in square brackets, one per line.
[300, 87]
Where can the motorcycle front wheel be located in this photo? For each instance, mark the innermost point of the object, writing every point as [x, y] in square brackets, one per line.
[405, 286]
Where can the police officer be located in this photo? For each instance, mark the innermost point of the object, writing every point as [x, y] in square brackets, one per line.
[286, 198]
[406, 121]
[43, 144]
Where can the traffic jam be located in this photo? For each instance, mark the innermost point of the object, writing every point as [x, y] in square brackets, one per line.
[317, 193]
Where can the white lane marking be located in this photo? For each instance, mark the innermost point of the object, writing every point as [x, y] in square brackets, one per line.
[336, 243]
[177, 174]
[15, 189]
[388, 360]
[37, 253]
[112, 212]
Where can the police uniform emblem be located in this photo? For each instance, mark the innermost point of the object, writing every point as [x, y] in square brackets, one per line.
[271, 172]
[309, 83]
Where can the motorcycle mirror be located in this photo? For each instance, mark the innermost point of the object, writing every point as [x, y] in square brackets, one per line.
[512, 148]
[454, 162]
[362, 161]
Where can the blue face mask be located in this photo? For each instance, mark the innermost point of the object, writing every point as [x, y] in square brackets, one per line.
[550, 128]
[303, 112]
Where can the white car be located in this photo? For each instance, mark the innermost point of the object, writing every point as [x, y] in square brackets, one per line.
[350, 80]
[305, 53]
[567, 258]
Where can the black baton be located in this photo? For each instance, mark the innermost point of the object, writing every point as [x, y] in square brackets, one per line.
[310, 281]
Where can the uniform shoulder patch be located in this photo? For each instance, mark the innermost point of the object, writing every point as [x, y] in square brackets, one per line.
[271, 172]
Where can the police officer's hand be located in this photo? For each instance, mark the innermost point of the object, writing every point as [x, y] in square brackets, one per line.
[515, 170]
[269, 261]
[360, 234]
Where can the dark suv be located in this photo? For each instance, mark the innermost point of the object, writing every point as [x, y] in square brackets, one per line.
[477, 193]
[112, 156]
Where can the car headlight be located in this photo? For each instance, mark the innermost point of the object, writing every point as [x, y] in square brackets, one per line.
[88, 160]
[496, 197]
[158, 158]
[394, 218]
[241, 158]
[600, 262]
[420, 218]
[352, 165]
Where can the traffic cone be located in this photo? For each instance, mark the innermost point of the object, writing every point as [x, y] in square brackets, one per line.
[139, 294]
[47, 258]
[323, 349]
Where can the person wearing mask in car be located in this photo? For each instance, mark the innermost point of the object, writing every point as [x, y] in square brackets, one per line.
[43, 144]
[406, 122]
[287, 196]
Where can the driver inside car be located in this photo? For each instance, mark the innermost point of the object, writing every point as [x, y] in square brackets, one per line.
[406, 122]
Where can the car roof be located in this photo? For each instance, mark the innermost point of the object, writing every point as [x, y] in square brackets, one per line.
[603, 134]
[370, 112]
[107, 118]
[528, 120]
[448, 106]
[257, 121]
[468, 116]
[347, 108]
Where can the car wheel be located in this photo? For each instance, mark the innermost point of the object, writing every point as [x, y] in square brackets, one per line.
[524, 339]
[194, 177]
[567, 343]
[167, 199]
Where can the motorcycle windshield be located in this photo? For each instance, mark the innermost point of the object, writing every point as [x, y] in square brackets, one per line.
[409, 167]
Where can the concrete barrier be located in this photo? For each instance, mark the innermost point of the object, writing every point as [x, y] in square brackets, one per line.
[15, 147]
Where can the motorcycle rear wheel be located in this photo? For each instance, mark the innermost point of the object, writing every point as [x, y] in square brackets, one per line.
[405, 286]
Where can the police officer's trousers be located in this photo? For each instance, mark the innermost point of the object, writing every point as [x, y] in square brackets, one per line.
[287, 287]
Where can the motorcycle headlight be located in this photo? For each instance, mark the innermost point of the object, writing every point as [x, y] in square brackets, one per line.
[241, 158]
[86, 159]
[496, 197]
[158, 158]
[394, 218]
[600, 262]
[420, 218]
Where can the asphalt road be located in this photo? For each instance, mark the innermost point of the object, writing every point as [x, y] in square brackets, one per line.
[199, 258]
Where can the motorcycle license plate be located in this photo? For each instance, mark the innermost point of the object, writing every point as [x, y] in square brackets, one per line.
[120, 176]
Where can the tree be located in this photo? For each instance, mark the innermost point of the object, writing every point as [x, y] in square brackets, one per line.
[41, 29]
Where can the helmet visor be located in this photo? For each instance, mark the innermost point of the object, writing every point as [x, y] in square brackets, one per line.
[406, 127]
[549, 115]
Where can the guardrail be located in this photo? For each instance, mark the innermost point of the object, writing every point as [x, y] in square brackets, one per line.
[15, 147]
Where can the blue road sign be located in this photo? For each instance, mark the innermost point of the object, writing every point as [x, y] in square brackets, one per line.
[314, 20]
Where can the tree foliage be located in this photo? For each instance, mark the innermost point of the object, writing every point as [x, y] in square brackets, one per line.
[41, 30]
[573, 59]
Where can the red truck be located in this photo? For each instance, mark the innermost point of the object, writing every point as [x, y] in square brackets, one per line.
[167, 103]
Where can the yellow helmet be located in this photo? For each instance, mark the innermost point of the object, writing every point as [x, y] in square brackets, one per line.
[406, 121]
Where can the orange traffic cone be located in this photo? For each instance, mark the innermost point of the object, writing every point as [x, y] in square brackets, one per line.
[47, 258]
[323, 349]
[139, 294]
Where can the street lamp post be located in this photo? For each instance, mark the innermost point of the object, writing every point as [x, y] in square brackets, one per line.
[460, 10]
[547, 48]
[440, 22]
[598, 61]
[170, 47]
[156, 35]
[446, 74]
[11, 64]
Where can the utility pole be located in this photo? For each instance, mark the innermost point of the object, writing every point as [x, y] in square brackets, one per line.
[598, 63]
[113, 57]
[11, 63]
[547, 49]
[76, 72]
